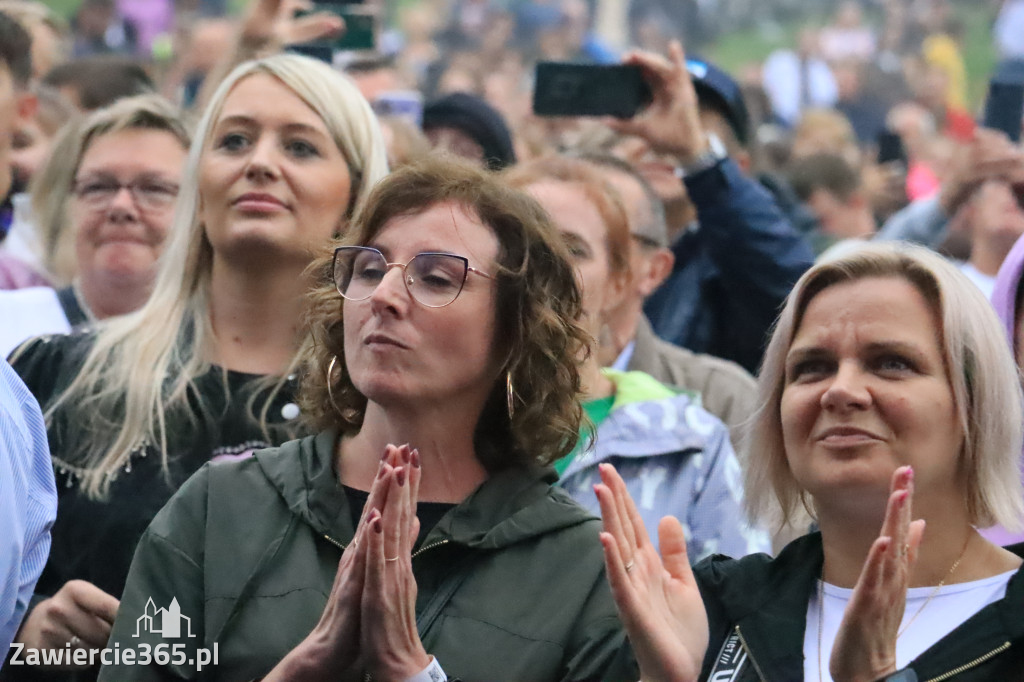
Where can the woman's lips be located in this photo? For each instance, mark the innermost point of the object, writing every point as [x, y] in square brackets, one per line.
[259, 203]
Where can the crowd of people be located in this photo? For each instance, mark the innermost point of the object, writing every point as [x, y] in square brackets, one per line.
[729, 389]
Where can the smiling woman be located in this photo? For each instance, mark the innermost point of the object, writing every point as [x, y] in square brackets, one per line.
[206, 368]
[892, 411]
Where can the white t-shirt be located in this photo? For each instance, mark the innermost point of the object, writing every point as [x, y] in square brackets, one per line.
[25, 313]
[955, 604]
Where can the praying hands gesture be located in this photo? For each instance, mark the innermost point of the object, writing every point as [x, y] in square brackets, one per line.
[369, 622]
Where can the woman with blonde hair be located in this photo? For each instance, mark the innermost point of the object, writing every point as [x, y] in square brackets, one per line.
[114, 237]
[888, 394]
[206, 369]
[445, 320]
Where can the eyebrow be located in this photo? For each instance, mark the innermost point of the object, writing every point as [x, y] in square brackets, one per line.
[873, 348]
[249, 122]
[387, 252]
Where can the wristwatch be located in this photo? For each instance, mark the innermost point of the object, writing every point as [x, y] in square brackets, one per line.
[711, 157]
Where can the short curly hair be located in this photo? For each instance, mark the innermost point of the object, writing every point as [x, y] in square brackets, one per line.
[538, 311]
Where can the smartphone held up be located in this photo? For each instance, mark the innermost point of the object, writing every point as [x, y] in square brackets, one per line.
[571, 89]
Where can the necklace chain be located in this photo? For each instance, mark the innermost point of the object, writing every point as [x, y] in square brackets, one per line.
[932, 595]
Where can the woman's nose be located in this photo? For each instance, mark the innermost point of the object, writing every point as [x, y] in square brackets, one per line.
[262, 164]
[847, 389]
[391, 292]
[122, 205]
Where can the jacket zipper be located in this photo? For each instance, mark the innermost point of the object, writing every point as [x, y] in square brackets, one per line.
[334, 542]
[761, 676]
[968, 666]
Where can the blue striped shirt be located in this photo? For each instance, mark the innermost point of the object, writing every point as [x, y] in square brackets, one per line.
[28, 500]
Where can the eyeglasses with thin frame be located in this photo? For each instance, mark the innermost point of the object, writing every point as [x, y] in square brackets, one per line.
[432, 279]
[147, 194]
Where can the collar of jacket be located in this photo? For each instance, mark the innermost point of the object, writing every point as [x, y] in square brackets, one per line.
[767, 599]
[510, 506]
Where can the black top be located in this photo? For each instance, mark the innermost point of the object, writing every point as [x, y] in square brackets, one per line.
[95, 540]
[429, 513]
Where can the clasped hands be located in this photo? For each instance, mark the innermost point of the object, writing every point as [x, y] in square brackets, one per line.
[661, 607]
[369, 623]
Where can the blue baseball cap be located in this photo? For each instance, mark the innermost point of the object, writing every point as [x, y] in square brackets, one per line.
[717, 89]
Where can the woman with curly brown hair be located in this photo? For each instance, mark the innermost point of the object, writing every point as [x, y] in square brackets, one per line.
[446, 321]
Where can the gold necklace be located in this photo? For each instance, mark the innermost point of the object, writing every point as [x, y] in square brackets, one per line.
[932, 595]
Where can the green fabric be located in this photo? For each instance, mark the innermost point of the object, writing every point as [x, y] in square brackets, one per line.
[250, 550]
[630, 387]
[597, 411]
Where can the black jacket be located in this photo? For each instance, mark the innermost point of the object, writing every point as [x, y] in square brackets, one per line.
[757, 609]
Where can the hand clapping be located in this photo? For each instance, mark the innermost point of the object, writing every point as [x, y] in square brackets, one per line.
[658, 599]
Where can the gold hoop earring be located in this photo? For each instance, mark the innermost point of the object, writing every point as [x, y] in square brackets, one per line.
[330, 393]
[510, 395]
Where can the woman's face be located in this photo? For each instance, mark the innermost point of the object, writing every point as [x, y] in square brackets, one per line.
[398, 350]
[866, 391]
[120, 232]
[585, 233]
[273, 183]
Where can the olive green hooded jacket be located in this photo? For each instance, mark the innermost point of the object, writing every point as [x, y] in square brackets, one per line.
[248, 552]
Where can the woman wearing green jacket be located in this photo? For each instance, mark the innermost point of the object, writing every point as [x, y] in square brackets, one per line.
[447, 320]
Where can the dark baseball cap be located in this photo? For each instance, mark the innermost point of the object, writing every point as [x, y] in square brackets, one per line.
[717, 89]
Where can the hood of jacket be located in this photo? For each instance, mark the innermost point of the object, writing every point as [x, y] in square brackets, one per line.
[509, 507]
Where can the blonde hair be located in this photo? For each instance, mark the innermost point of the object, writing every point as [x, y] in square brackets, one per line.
[981, 370]
[51, 188]
[143, 365]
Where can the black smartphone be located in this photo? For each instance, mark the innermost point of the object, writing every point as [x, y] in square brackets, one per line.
[890, 148]
[1004, 108]
[360, 26]
[569, 89]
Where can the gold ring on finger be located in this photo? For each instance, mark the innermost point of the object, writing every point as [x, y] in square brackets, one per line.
[394, 558]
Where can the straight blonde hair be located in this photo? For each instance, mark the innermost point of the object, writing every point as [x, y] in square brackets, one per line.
[981, 369]
[142, 365]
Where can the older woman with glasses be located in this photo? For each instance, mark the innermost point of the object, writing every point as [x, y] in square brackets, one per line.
[419, 533]
[119, 172]
[206, 369]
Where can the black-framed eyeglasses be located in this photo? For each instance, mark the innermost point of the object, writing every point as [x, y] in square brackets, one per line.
[152, 195]
[434, 280]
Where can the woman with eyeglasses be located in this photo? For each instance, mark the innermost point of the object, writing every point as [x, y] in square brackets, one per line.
[419, 534]
[117, 175]
[205, 370]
